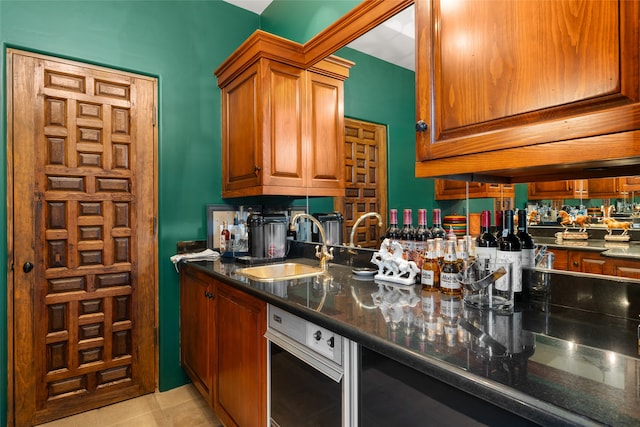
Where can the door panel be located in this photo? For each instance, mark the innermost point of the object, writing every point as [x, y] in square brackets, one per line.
[365, 163]
[84, 317]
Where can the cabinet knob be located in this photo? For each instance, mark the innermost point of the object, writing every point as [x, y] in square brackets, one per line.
[208, 294]
[257, 169]
[576, 263]
[27, 267]
[421, 126]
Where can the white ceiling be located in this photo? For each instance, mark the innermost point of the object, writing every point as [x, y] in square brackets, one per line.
[393, 41]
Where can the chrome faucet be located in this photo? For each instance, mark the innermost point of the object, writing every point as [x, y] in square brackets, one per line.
[325, 255]
[359, 220]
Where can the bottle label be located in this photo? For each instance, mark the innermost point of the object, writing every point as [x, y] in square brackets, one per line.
[427, 278]
[486, 253]
[449, 281]
[528, 258]
[515, 271]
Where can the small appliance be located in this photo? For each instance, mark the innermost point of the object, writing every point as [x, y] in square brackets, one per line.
[267, 235]
[332, 224]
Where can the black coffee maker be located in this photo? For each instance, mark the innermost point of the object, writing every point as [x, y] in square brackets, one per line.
[332, 224]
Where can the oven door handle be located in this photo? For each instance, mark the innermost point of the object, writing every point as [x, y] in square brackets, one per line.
[320, 363]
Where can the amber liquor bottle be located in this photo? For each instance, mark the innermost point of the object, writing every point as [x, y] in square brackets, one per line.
[449, 283]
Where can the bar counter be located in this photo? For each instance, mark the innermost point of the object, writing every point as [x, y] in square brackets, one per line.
[568, 355]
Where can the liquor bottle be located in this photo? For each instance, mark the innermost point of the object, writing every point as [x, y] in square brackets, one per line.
[224, 237]
[526, 241]
[486, 244]
[509, 249]
[436, 228]
[430, 271]
[406, 235]
[421, 236]
[393, 232]
[431, 313]
[439, 242]
[449, 283]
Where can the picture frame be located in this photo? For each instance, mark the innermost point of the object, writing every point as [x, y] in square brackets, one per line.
[217, 215]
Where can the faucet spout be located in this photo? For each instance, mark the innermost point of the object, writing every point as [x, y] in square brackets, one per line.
[359, 220]
[325, 255]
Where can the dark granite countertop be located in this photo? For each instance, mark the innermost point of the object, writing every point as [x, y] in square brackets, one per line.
[562, 365]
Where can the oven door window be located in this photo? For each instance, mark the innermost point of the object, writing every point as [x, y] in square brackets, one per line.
[300, 394]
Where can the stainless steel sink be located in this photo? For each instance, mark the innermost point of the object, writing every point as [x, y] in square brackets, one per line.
[285, 271]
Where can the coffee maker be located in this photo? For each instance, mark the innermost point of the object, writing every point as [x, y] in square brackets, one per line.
[332, 224]
[267, 235]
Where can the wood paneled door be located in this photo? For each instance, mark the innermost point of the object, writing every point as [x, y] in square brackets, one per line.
[365, 181]
[82, 236]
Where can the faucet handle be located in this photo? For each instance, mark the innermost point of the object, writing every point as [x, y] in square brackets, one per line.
[329, 255]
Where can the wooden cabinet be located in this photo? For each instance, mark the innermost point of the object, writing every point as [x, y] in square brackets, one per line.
[197, 332]
[222, 347]
[592, 262]
[282, 125]
[241, 389]
[447, 189]
[604, 188]
[567, 189]
[629, 184]
[527, 90]
[586, 262]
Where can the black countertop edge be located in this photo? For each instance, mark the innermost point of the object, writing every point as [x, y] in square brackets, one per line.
[495, 393]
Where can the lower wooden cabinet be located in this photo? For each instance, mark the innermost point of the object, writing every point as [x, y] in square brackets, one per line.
[594, 263]
[223, 349]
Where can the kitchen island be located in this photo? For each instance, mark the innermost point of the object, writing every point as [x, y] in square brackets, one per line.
[566, 360]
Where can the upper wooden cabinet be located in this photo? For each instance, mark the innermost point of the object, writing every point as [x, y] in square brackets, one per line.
[282, 125]
[605, 188]
[523, 91]
[447, 189]
[568, 189]
[595, 188]
[629, 183]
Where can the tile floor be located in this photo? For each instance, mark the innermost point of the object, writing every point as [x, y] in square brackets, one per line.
[182, 406]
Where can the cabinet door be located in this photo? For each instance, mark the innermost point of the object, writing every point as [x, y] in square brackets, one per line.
[449, 189]
[241, 131]
[604, 188]
[494, 77]
[629, 183]
[623, 268]
[586, 262]
[558, 189]
[283, 127]
[241, 391]
[325, 124]
[197, 329]
[561, 259]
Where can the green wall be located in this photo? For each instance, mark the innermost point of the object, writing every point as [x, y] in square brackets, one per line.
[181, 43]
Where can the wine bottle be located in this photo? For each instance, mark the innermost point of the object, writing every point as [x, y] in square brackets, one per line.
[527, 254]
[421, 236]
[486, 243]
[436, 228]
[430, 270]
[406, 235]
[449, 283]
[526, 241]
[393, 232]
[509, 250]
[499, 223]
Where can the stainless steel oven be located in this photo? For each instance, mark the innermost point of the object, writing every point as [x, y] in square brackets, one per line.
[311, 382]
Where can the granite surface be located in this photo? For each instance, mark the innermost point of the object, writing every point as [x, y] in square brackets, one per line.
[562, 358]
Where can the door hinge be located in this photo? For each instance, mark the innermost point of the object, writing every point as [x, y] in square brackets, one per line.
[155, 226]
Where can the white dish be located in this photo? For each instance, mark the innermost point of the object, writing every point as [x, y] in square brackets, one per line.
[364, 271]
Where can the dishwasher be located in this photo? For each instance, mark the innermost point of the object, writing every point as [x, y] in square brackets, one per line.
[311, 380]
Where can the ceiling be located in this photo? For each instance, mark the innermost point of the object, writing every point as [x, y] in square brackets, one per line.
[393, 41]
